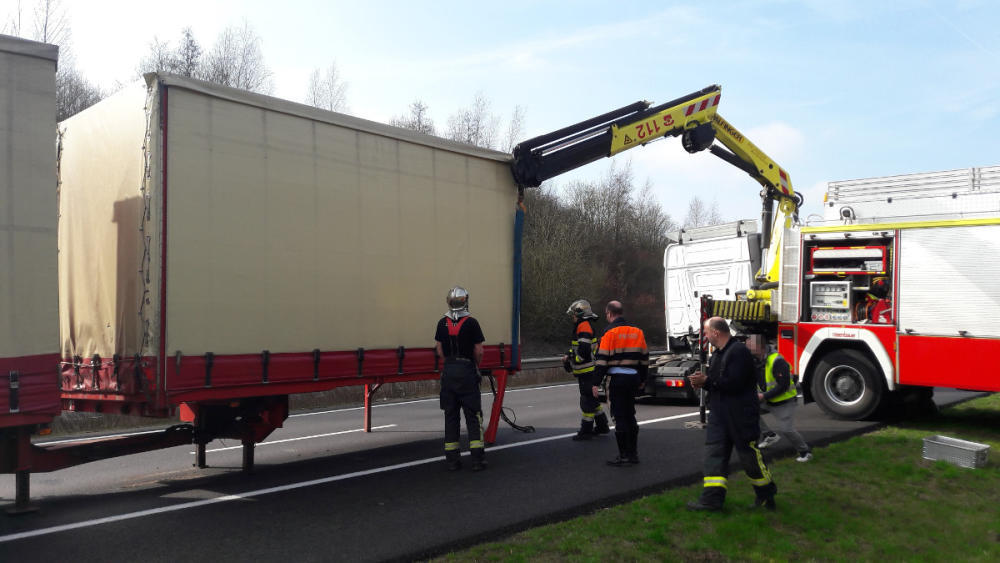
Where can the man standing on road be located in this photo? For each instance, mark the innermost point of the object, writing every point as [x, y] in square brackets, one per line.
[460, 343]
[580, 361]
[780, 395]
[624, 357]
[733, 422]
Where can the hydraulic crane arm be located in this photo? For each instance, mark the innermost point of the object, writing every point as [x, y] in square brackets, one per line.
[693, 117]
[776, 186]
[549, 155]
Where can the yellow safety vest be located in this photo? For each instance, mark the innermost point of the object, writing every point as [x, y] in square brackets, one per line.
[770, 382]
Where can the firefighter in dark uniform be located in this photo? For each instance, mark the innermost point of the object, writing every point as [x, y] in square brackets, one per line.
[733, 422]
[460, 344]
[623, 356]
[580, 362]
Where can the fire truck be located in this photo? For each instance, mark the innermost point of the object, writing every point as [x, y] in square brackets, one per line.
[878, 301]
[894, 292]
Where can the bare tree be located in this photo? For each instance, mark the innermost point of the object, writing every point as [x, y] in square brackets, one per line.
[237, 60]
[327, 89]
[418, 120]
[12, 23]
[74, 93]
[603, 240]
[515, 128]
[652, 223]
[475, 125]
[184, 60]
[51, 23]
[700, 215]
[160, 58]
[188, 55]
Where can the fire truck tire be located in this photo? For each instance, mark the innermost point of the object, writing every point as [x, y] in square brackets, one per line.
[846, 385]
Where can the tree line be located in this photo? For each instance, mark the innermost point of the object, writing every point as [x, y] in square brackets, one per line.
[597, 239]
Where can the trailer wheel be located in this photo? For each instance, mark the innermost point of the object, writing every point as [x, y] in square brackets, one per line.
[846, 385]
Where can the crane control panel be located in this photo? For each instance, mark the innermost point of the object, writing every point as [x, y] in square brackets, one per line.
[830, 301]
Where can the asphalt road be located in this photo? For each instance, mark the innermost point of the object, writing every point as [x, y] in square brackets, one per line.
[325, 491]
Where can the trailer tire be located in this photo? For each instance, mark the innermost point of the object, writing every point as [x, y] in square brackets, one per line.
[846, 385]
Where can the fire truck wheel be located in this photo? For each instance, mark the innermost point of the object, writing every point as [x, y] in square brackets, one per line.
[846, 385]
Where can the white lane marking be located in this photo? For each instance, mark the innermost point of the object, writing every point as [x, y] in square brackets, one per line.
[282, 488]
[299, 438]
[348, 409]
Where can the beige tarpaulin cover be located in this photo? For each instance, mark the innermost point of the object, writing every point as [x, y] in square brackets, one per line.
[100, 245]
[288, 228]
[27, 198]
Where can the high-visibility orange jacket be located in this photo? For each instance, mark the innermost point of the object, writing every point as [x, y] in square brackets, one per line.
[622, 345]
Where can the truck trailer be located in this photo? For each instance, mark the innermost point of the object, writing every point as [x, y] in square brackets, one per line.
[29, 349]
[220, 250]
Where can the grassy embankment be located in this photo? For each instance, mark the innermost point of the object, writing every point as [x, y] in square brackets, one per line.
[870, 498]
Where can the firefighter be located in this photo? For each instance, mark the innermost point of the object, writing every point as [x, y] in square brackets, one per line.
[460, 344]
[733, 421]
[623, 356]
[580, 362]
[877, 307]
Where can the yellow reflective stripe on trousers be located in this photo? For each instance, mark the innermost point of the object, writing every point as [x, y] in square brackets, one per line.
[450, 446]
[588, 416]
[482, 435]
[716, 482]
[766, 475]
[475, 444]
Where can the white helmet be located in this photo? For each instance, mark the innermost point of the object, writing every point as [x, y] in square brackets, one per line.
[580, 309]
[458, 303]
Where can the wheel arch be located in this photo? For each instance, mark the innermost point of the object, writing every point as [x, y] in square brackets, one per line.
[864, 341]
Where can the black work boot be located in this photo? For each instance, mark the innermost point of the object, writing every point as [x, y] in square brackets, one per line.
[765, 497]
[601, 423]
[711, 500]
[623, 457]
[633, 446]
[478, 459]
[453, 460]
[586, 431]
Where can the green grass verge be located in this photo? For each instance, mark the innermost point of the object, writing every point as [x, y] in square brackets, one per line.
[870, 498]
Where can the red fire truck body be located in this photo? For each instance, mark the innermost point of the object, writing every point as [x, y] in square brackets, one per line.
[870, 308]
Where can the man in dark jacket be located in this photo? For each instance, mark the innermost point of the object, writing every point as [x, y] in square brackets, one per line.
[734, 420]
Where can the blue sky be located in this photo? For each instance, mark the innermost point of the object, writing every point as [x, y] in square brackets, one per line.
[831, 90]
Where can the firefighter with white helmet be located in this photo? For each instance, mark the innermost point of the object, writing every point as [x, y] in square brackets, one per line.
[459, 342]
[580, 362]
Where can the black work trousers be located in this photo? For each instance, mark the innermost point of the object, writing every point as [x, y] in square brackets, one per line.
[621, 395]
[588, 402]
[730, 428]
[460, 393]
